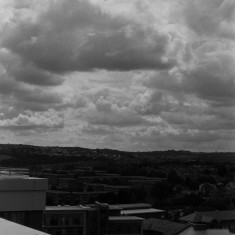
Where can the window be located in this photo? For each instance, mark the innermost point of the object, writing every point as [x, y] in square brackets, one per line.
[77, 220]
[65, 220]
[129, 228]
[53, 220]
[71, 232]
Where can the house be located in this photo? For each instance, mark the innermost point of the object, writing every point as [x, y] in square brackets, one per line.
[212, 219]
[163, 227]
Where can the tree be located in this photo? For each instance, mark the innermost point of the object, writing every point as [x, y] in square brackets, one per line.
[192, 199]
[222, 170]
[139, 194]
[173, 178]
[206, 179]
[124, 197]
[161, 190]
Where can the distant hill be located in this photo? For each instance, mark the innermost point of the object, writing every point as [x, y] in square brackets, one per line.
[28, 155]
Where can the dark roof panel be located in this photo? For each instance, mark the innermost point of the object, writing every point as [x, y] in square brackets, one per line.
[209, 216]
[164, 226]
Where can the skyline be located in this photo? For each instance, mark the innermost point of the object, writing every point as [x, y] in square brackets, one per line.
[135, 75]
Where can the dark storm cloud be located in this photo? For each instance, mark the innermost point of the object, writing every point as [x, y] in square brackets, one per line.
[76, 35]
[211, 78]
[16, 97]
[26, 72]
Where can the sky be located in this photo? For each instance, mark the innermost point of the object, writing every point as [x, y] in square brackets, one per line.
[133, 75]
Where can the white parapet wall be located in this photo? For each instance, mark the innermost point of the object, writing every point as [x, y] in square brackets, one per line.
[10, 228]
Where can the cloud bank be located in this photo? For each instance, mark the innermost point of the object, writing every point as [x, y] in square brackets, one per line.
[136, 75]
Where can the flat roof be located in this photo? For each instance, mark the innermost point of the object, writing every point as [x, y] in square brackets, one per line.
[133, 206]
[67, 208]
[11, 228]
[140, 211]
[113, 207]
[125, 218]
[78, 193]
[22, 177]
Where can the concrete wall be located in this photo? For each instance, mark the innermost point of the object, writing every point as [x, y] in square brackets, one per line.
[22, 194]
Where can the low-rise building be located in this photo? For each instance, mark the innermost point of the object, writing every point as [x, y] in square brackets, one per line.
[95, 219]
[208, 190]
[23, 199]
[164, 227]
[61, 220]
[125, 225]
[212, 219]
[230, 192]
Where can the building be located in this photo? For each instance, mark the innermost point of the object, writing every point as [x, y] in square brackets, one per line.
[77, 220]
[163, 227]
[208, 190]
[22, 199]
[230, 192]
[212, 219]
[60, 220]
[125, 225]
[95, 219]
[143, 182]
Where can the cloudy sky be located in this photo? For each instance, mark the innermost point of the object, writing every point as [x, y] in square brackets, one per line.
[122, 74]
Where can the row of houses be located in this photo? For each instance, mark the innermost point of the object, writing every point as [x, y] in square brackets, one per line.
[220, 190]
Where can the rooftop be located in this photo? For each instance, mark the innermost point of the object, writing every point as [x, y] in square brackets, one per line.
[23, 177]
[164, 226]
[11, 228]
[78, 193]
[140, 211]
[67, 208]
[209, 216]
[192, 231]
[125, 218]
[133, 206]
[4, 177]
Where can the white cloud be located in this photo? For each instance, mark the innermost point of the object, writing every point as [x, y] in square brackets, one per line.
[28, 120]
